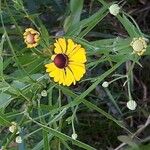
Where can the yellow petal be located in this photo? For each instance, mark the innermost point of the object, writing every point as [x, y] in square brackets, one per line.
[74, 50]
[62, 76]
[69, 78]
[50, 67]
[28, 29]
[77, 70]
[71, 46]
[53, 57]
[57, 49]
[57, 75]
[142, 52]
[34, 45]
[25, 33]
[29, 45]
[36, 38]
[79, 56]
[54, 73]
[34, 32]
[62, 43]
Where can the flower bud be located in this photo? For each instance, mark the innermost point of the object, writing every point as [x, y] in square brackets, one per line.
[18, 139]
[13, 127]
[139, 45]
[105, 84]
[114, 9]
[74, 136]
[44, 93]
[131, 104]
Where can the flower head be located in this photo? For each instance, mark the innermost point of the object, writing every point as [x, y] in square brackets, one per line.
[139, 45]
[13, 127]
[18, 139]
[105, 84]
[31, 37]
[68, 62]
[74, 136]
[44, 93]
[114, 9]
[131, 104]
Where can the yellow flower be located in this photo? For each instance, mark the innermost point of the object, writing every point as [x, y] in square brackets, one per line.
[31, 37]
[68, 62]
[139, 45]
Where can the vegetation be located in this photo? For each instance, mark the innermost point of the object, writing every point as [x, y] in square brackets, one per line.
[101, 105]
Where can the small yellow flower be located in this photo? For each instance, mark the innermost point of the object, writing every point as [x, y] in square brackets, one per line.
[139, 45]
[68, 62]
[31, 37]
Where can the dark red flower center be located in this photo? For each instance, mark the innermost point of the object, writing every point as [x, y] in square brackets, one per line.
[30, 38]
[61, 60]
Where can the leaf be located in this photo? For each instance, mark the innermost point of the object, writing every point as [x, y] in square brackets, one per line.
[46, 140]
[128, 140]
[93, 23]
[1, 66]
[129, 26]
[1, 58]
[88, 23]
[64, 137]
[58, 4]
[5, 99]
[4, 86]
[18, 85]
[31, 63]
[74, 18]
[3, 120]
[39, 146]
[44, 33]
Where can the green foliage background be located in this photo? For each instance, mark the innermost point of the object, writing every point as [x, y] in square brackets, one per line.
[97, 115]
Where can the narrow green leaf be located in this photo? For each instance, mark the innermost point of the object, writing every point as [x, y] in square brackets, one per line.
[99, 79]
[3, 120]
[87, 23]
[1, 66]
[46, 140]
[128, 140]
[63, 136]
[112, 100]
[74, 18]
[5, 99]
[129, 26]
[39, 146]
[93, 23]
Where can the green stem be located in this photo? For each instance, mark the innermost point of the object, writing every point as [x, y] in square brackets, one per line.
[112, 100]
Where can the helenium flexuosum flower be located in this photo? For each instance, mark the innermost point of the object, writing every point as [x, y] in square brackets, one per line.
[68, 62]
[139, 45]
[31, 37]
